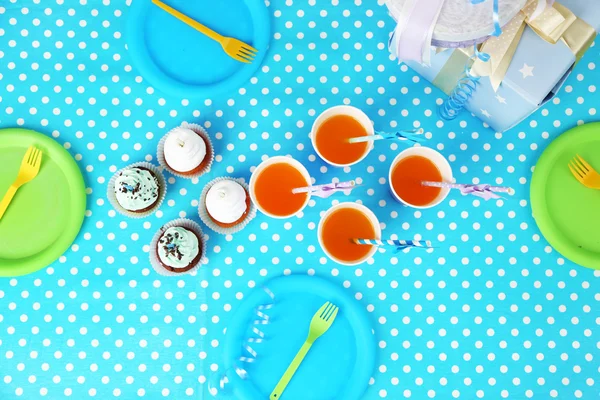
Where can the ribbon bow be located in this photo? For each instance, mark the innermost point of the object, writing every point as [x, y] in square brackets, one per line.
[550, 20]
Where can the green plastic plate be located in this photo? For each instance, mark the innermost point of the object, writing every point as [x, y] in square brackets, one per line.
[568, 213]
[46, 214]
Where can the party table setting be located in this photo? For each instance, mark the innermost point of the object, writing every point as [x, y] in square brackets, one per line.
[292, 199]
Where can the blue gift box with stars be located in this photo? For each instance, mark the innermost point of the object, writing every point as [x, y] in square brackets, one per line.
[536, 73]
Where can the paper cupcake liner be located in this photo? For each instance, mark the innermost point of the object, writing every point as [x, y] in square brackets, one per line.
[183, 223]
[162, 190]
[210, 152]
[203, 212]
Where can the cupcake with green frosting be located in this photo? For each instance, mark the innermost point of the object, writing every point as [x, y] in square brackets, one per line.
[137, 190]
[178, 247]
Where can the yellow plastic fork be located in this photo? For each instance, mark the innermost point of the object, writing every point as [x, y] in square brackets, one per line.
[321, 322]
[584, 173]
[30, 166]
[234, 48]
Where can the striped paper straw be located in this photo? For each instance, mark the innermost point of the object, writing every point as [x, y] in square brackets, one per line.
[462, 186]
[407, 135]
[426, 244]
[325, 187]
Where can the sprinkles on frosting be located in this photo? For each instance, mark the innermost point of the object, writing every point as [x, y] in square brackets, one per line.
[136, 189]
[178, 247]
[171, 249]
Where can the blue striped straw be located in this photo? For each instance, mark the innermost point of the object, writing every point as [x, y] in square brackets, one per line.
[412, 135]
[400, 244]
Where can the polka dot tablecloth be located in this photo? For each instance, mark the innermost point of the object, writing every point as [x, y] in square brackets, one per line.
[492, 313]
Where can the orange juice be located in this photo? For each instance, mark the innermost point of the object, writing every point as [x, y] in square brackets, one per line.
[273, 189]
[331, 139]
[340, 228]
[407, 176]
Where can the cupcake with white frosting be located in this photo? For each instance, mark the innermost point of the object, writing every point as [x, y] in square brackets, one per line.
[177, 248]
[137, 190]
[186, 151]
[225, 205]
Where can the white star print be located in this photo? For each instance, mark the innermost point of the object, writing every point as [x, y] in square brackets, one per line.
[500, 99]
[526, 71]
[486, 113]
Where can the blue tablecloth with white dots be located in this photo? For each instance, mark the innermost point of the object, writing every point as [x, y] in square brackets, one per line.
[492, 313]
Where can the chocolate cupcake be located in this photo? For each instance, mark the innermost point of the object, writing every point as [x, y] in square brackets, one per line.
[178, 247]
[137, 190]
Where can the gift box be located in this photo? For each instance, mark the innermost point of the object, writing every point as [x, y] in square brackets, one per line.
[522, 82]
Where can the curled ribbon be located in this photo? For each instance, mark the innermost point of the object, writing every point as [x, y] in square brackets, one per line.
[262, 319]
[464, 89]
[467, 83]
[219, 386]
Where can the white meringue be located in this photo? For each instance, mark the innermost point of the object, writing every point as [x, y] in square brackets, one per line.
[184, 149]
[226, 201]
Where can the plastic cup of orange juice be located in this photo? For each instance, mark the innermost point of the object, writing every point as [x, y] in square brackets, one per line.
[271, 186]
[410, 168]
[331, 131]
[343, 223]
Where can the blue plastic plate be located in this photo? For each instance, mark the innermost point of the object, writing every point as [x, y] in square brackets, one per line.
[181, 61]
[338, 366]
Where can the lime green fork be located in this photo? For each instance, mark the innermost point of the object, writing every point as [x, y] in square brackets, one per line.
[30, 166]
[321, 322]
[584, 173]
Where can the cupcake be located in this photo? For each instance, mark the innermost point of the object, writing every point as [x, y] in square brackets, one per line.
[225, 205]
[137, 190]
[186, 151]
[178, 247]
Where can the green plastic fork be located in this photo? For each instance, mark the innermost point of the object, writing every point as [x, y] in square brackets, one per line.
[321, 322]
